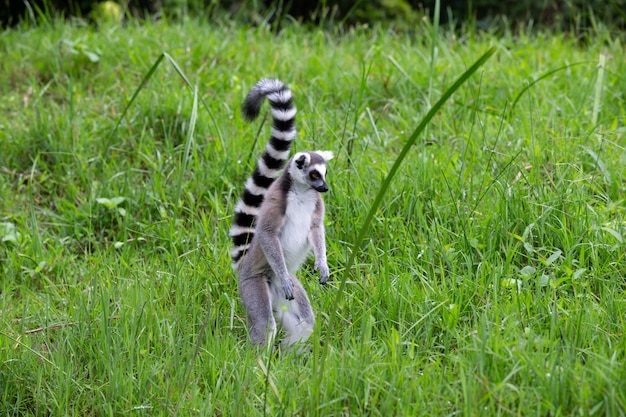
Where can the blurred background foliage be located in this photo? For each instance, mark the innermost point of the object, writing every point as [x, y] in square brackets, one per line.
[569, 15]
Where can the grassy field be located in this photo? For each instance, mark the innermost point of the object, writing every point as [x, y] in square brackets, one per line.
[491, 281]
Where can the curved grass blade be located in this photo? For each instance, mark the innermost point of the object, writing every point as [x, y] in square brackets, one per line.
[383, 189]
[535, 81]
[144, 81]
[190, 85]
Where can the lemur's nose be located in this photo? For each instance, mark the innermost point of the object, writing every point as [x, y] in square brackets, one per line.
[322, 188]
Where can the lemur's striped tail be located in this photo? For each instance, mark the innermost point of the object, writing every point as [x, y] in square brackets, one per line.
[269, 166]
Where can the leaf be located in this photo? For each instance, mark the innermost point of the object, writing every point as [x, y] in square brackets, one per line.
[528, 231]
[11, 237]
[110, 202]
[116, 201]
[6, 228]
[105, 202]
[529, 248]
[512, 283]
[476, 244]
[544, 280]
[92, 56]
[556, 255]
[617, 235]
[527, 271]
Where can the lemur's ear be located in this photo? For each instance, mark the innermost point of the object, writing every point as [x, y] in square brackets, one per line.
[301, 161]
[327, 155]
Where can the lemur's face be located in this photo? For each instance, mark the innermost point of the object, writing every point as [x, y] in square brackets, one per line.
[309, 168]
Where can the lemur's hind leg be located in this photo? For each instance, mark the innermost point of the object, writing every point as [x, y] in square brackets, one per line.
[295, 317]
[256, 298]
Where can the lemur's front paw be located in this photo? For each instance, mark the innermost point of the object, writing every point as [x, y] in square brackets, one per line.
[324, 272]
[288, 288]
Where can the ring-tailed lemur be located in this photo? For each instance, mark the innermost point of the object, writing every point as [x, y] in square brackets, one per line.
[278, 220]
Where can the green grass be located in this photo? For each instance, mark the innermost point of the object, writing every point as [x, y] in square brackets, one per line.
[491, 279]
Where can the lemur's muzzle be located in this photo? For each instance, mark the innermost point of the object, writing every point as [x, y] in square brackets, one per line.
[322, 188]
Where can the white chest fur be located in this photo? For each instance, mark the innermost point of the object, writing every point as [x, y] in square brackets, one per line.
[294, 236]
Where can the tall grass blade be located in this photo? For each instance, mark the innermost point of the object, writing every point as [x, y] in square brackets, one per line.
[188, 143]
[598, 96]
[385, 185]
[434, 48]
[177, 68]
[34, 231]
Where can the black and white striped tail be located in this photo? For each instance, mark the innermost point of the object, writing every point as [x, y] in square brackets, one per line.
[269, 166]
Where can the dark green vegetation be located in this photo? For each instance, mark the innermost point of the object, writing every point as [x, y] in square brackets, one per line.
[491, 282]
[572, 15]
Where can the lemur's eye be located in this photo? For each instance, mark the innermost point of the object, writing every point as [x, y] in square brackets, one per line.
[314, 175]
